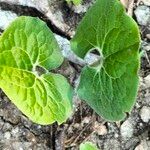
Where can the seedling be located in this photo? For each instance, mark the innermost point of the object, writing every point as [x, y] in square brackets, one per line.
[26, 44]
[75, 2]
[88, 146]
[111, 86]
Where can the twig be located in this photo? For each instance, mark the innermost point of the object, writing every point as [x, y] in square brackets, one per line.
[89, 124]
[130, 7]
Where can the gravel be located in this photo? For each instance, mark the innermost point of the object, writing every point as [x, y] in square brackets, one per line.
[126, 129]
[146, 2]
[143, 15]
[52, 10]
[6, 18]
[147, 81]
[145, 114]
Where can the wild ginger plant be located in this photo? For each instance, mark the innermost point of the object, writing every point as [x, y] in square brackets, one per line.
[109, 86]
[26, 44]
[88, 146]
[75, 2]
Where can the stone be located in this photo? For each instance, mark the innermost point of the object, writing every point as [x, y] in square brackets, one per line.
[82, 8]
[145, 113]
[7, 135]
[144, 145]
[126, 129]
[6, 18]
[147, 81]
[86, 120]
[1, 124]
[143, 15]
[139, 147]
[131, 144]
[111, 144]
[100, 129]
[7, 127]
[53, 10]
[148, 36]
[142, 83]
[145, 46]
[146, 2]
[147, 98]
[15, 131]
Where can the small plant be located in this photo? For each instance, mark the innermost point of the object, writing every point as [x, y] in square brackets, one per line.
[109, 86]
[88, 146]
[75, 2]
[26, 44]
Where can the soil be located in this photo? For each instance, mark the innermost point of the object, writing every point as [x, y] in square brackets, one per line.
[17, 132]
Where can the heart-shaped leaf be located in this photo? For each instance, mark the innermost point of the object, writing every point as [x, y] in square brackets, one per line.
[88, 146]
[110, 87]
[76, 2]
[26, 44]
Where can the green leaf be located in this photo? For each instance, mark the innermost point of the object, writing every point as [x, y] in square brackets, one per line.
[34, 37]
[76, 2]
[110, 87]
[88, 146]
[26, 44]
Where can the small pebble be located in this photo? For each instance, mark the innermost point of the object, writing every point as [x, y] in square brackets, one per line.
[144, 145]
[100, 129]
[145, 113]
[80, 9]
[148, 36]
[6, 18]
[127, 129]
[146, 2]
[147, 81]
[86, 120]
[143, 15]
[7, 135]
